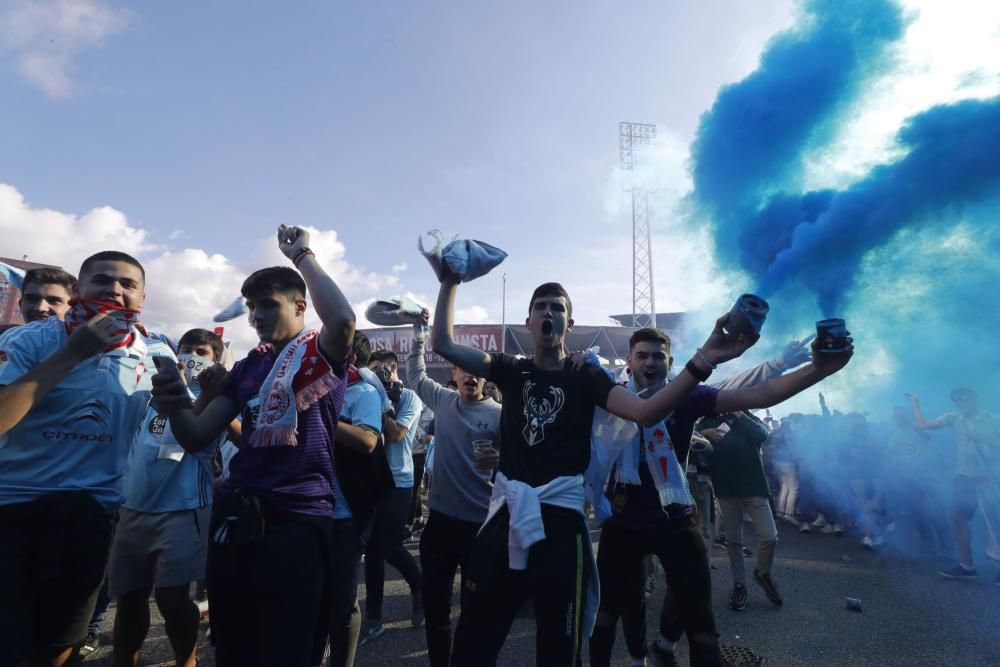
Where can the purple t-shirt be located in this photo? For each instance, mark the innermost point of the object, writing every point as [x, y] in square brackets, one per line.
[639, 506]
[296, 479]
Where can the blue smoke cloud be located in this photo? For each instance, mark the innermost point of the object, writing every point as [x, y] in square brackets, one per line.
[951, 162]
[750, 147]
[759, 129]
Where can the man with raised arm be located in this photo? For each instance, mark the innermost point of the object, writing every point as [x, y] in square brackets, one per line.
[269, 577]
[535, 542]
[459, 498]
[652, 511]
[975, 486]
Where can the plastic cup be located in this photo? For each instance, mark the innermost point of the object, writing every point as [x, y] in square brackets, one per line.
[482, 449]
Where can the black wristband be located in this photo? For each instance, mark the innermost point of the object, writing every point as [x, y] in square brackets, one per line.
[699, 374]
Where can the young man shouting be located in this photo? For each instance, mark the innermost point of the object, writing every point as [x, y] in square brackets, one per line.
[654, 513]
[72, 395]
[459, 498]
[269, 578]
[535, 542]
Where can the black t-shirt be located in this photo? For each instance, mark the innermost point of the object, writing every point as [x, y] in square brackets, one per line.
[546, 418]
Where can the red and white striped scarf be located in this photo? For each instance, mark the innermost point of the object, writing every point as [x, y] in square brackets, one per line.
[83, 310]
[300, 377]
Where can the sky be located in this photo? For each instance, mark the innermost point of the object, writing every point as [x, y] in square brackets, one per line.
[188, 136]
[186, 133]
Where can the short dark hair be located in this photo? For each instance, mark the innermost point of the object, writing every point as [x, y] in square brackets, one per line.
[282, 279]
[112, 256]
[201, 336]
[384, 355]
[551, 289]
[361, 349]
[48, 277]
[648, 335]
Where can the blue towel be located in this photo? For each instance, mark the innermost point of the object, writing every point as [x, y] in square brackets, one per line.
[466, 258]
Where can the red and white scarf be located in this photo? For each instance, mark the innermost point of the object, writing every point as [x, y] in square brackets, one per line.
[300, 377]
[83, 310]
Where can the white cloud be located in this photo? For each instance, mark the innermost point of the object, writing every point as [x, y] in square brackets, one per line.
[950, 52]
[45, 36]
[52, 237]
[184, 288]
[472, 315]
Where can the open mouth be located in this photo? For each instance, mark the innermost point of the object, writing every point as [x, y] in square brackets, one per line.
[470, 385]
[547, 327]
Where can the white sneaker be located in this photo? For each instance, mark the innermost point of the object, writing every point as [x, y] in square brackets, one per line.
[804, 528]
[827, 529]
[867, 543]
[838, 529]
[820, 522]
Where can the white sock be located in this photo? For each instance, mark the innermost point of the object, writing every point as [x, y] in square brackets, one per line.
[665, 644]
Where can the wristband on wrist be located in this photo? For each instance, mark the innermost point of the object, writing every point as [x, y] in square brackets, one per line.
[699, 374]
[300, 255]
[701, 355]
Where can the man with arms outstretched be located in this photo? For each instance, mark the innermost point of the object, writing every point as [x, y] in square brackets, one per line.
[535, 541]
[642, 522]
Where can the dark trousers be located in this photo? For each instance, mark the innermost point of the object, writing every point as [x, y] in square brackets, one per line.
[687, 606]
[270, 598]
[445, 544]
[416, 510]
[53, 552]
[386, 546]
[555, 580]
[345, 614]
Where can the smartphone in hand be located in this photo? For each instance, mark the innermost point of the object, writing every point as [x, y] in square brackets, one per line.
[167, 366]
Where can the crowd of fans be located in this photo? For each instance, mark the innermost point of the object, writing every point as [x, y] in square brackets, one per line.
[135, 466]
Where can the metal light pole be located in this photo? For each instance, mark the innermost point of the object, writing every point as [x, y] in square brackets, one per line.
[633, 138]
[503, 316]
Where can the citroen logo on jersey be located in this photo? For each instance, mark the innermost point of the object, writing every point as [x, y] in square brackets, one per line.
[540, 411]
[92, 413]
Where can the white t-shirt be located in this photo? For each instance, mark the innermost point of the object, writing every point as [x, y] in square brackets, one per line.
[976, 459]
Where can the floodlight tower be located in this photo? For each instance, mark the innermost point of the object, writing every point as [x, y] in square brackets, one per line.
[633, 138]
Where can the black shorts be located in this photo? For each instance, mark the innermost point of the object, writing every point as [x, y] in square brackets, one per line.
[53, 552]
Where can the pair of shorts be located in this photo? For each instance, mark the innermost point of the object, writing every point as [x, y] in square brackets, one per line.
[964, 499]
[53, 553]
[158, 550]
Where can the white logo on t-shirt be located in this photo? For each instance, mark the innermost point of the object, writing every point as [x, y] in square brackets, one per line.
[538, 413]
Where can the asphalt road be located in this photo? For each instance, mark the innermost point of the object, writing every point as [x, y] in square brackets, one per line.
[910, 616]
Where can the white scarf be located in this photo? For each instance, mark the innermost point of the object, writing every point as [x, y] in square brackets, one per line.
[300, 377]
[615, 440]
